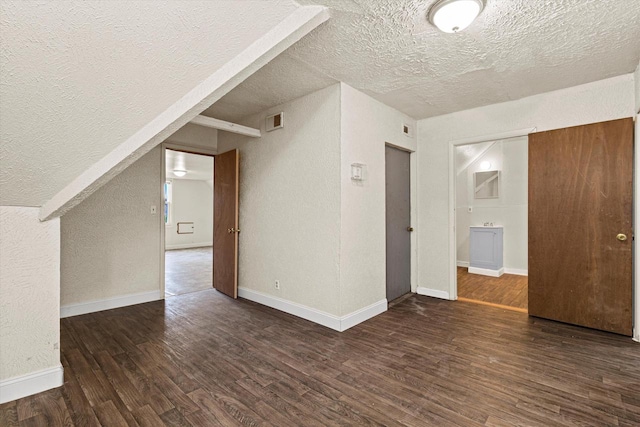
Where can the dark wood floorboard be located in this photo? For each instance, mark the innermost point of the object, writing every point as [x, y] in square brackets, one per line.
[188, 270]
[508, 290]
[202, 359]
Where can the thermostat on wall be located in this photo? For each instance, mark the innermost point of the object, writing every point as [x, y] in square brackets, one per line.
[275, 121]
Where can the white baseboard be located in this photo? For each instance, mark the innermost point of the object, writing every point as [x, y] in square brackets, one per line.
[486, 271]
[363, 314]
[109, 303]
[336, 323]
[35, 382]
[188, 246]
[516, 271]
[432, 293]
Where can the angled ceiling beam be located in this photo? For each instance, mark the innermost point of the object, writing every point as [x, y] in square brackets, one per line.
[210, 122]
[291, 29]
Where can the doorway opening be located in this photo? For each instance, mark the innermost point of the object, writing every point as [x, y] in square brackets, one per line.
[491, 222]
[188, 220]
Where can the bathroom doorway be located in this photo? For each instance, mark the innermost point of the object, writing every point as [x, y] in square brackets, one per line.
[491, 230]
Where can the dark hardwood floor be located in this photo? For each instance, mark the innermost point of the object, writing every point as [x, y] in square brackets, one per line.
[507, 290]
[188, 270]
[203, 359]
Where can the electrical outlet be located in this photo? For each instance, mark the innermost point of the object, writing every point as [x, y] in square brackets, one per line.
[469, 209]
[278, 284]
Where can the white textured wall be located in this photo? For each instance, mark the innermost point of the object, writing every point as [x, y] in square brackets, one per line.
[637, 88]
[290, 202]
[192, 202]
[366, 126]
[636, 221]
[510, 210]
[29, 292]
[595, 102]
[110, 243]
[96, 72]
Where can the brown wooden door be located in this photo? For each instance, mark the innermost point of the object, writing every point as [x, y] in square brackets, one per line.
[226, 176]
[580, 200]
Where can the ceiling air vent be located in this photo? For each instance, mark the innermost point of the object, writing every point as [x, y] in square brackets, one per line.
[274, 122]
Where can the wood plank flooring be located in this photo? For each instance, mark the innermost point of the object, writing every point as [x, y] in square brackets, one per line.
[507, 290]
[188, 270]
[202, 359]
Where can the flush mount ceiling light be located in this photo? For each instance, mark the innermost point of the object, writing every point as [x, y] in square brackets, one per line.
[485, 166]
[452, 16]
[179, 172]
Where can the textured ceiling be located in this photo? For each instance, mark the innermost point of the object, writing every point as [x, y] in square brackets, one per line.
[198, 167]
[387, 49]
[77, 78]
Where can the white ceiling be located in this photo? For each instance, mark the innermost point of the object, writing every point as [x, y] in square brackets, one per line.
[80, 77]
[387, 49]
[198, 167]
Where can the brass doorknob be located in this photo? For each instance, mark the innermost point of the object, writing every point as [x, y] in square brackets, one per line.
[409, 229]
[621, 237]
[229, 230]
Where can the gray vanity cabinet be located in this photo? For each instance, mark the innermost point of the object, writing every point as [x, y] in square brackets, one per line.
[485, 251]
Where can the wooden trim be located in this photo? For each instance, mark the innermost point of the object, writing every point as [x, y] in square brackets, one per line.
[491, 304]
[210, 122]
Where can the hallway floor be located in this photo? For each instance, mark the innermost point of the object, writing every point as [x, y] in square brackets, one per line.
[188, 270]
[203, 359]
[507, 290]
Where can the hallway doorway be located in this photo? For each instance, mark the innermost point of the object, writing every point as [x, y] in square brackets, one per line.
[188, 221]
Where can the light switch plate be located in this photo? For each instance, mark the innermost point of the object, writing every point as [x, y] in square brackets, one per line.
[153, 210]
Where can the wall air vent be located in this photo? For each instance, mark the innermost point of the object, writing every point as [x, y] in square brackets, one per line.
[406, 129]
[274, 122]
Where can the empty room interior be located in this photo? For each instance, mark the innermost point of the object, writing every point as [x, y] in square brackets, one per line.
[319, 212]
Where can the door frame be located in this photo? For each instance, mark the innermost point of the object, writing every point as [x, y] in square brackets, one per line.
[413, 200]
[453, 249]
[185, 148]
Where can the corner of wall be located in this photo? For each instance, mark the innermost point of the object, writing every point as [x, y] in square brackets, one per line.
[636, 77]
[29, 303]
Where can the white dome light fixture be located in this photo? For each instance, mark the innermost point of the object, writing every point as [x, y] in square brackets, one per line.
[179, 172]
[452, 16]
[485, 166]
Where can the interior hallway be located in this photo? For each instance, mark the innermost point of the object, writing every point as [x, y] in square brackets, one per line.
[202, 359]
[188, 270]
[507, 290]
